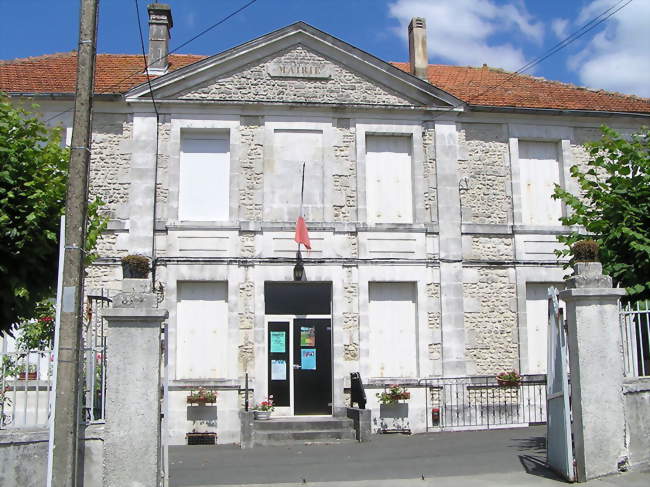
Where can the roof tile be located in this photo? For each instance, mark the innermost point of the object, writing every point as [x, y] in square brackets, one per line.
[117, 73]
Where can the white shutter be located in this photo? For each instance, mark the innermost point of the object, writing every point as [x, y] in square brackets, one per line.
[389, 197]
[204, 181]
[540, 171]
[393, 324]
[202, 330]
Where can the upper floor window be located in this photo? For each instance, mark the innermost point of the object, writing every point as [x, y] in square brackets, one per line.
[389, 194]
[540, 172]
[204, 177]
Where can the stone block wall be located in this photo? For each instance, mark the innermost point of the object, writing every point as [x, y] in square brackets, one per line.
[110, 161]
[429, 173]
[345, 174]
[484, 162]
[251, 169]
[491, 321]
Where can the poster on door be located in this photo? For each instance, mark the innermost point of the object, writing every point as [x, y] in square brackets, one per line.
[278, 370]
[278, 342]
[307, 336]
[308, 359]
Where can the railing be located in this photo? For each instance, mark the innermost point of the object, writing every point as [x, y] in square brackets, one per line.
[27, 383]
[25, 386]
[480, 402]
[635, 334]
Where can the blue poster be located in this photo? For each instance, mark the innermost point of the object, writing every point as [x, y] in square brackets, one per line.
[278, 342]
[308, 359]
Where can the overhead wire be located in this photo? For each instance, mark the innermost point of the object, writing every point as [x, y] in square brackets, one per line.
[584, 29]
[138, 72]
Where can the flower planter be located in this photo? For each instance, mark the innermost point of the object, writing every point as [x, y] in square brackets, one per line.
[394, 418]
[201, 438]
[509, 383]
[27, 375]
[262, 415]
[199, 403]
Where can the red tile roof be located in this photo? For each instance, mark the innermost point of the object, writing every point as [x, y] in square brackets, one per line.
[494, 87]
[117, 73]
[57, 73]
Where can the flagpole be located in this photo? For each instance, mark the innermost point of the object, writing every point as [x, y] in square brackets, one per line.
[302, 194]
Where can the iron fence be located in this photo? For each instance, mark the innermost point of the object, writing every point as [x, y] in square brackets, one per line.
[635, 335]
[27, 382]
[25, 386]
[481, 402]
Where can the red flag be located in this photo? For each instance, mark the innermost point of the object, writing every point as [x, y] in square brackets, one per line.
[302, 237]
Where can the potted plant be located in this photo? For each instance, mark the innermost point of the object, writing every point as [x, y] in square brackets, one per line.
[509, 379]
[394, 410]
[135, 267]
[394, 394]
[585, 251]
[264, 409]
[202, 396]
[27, 372]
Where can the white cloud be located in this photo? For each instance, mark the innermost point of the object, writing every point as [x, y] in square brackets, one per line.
[459, 31]
[618, 57]
[560, 28]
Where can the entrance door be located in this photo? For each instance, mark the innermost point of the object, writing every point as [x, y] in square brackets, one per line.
[312, 366]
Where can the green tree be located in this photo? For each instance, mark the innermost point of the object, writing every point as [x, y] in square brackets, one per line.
[614, 207]
[33, 174]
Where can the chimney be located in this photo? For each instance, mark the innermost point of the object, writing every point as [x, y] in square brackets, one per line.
[418, 47]
[160, 23]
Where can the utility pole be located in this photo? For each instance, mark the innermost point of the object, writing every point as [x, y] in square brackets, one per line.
[67, 417]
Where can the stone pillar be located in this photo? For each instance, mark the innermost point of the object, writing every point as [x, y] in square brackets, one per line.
[132, 440]
[596, 367]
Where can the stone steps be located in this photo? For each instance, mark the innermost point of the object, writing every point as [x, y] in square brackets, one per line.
[303, 430]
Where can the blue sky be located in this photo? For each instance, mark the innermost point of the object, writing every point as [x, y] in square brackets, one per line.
[501, 33]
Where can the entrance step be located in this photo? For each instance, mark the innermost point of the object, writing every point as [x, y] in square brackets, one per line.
[303, 430]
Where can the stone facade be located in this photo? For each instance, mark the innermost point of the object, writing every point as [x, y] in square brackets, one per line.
[484, 163]
[254, 83]
[491, 322]
[345, 175]
[252, 169]
[110, 161]
[459, 160]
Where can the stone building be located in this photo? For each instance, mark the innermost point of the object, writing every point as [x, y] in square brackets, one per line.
[427, 197]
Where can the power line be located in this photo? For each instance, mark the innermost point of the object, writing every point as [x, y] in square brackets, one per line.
[144, 58]
[135, 73]
[584, 29]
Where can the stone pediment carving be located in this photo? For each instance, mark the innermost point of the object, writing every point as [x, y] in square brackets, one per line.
[295, 75]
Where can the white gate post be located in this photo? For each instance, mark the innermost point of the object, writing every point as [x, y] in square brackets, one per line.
[596, 368]
[132, 441]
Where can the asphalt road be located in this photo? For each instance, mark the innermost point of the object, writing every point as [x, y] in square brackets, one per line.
[486, 458]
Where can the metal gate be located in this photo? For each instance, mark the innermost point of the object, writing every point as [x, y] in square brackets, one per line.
[559, 446]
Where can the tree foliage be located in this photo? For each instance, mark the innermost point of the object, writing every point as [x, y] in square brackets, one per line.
[614, 207]
[33, 167]
[33, 175]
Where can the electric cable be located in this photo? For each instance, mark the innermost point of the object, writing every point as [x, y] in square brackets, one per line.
[135, 73]
[584, 29]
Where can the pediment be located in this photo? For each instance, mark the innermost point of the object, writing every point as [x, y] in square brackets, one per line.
[297, 64]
